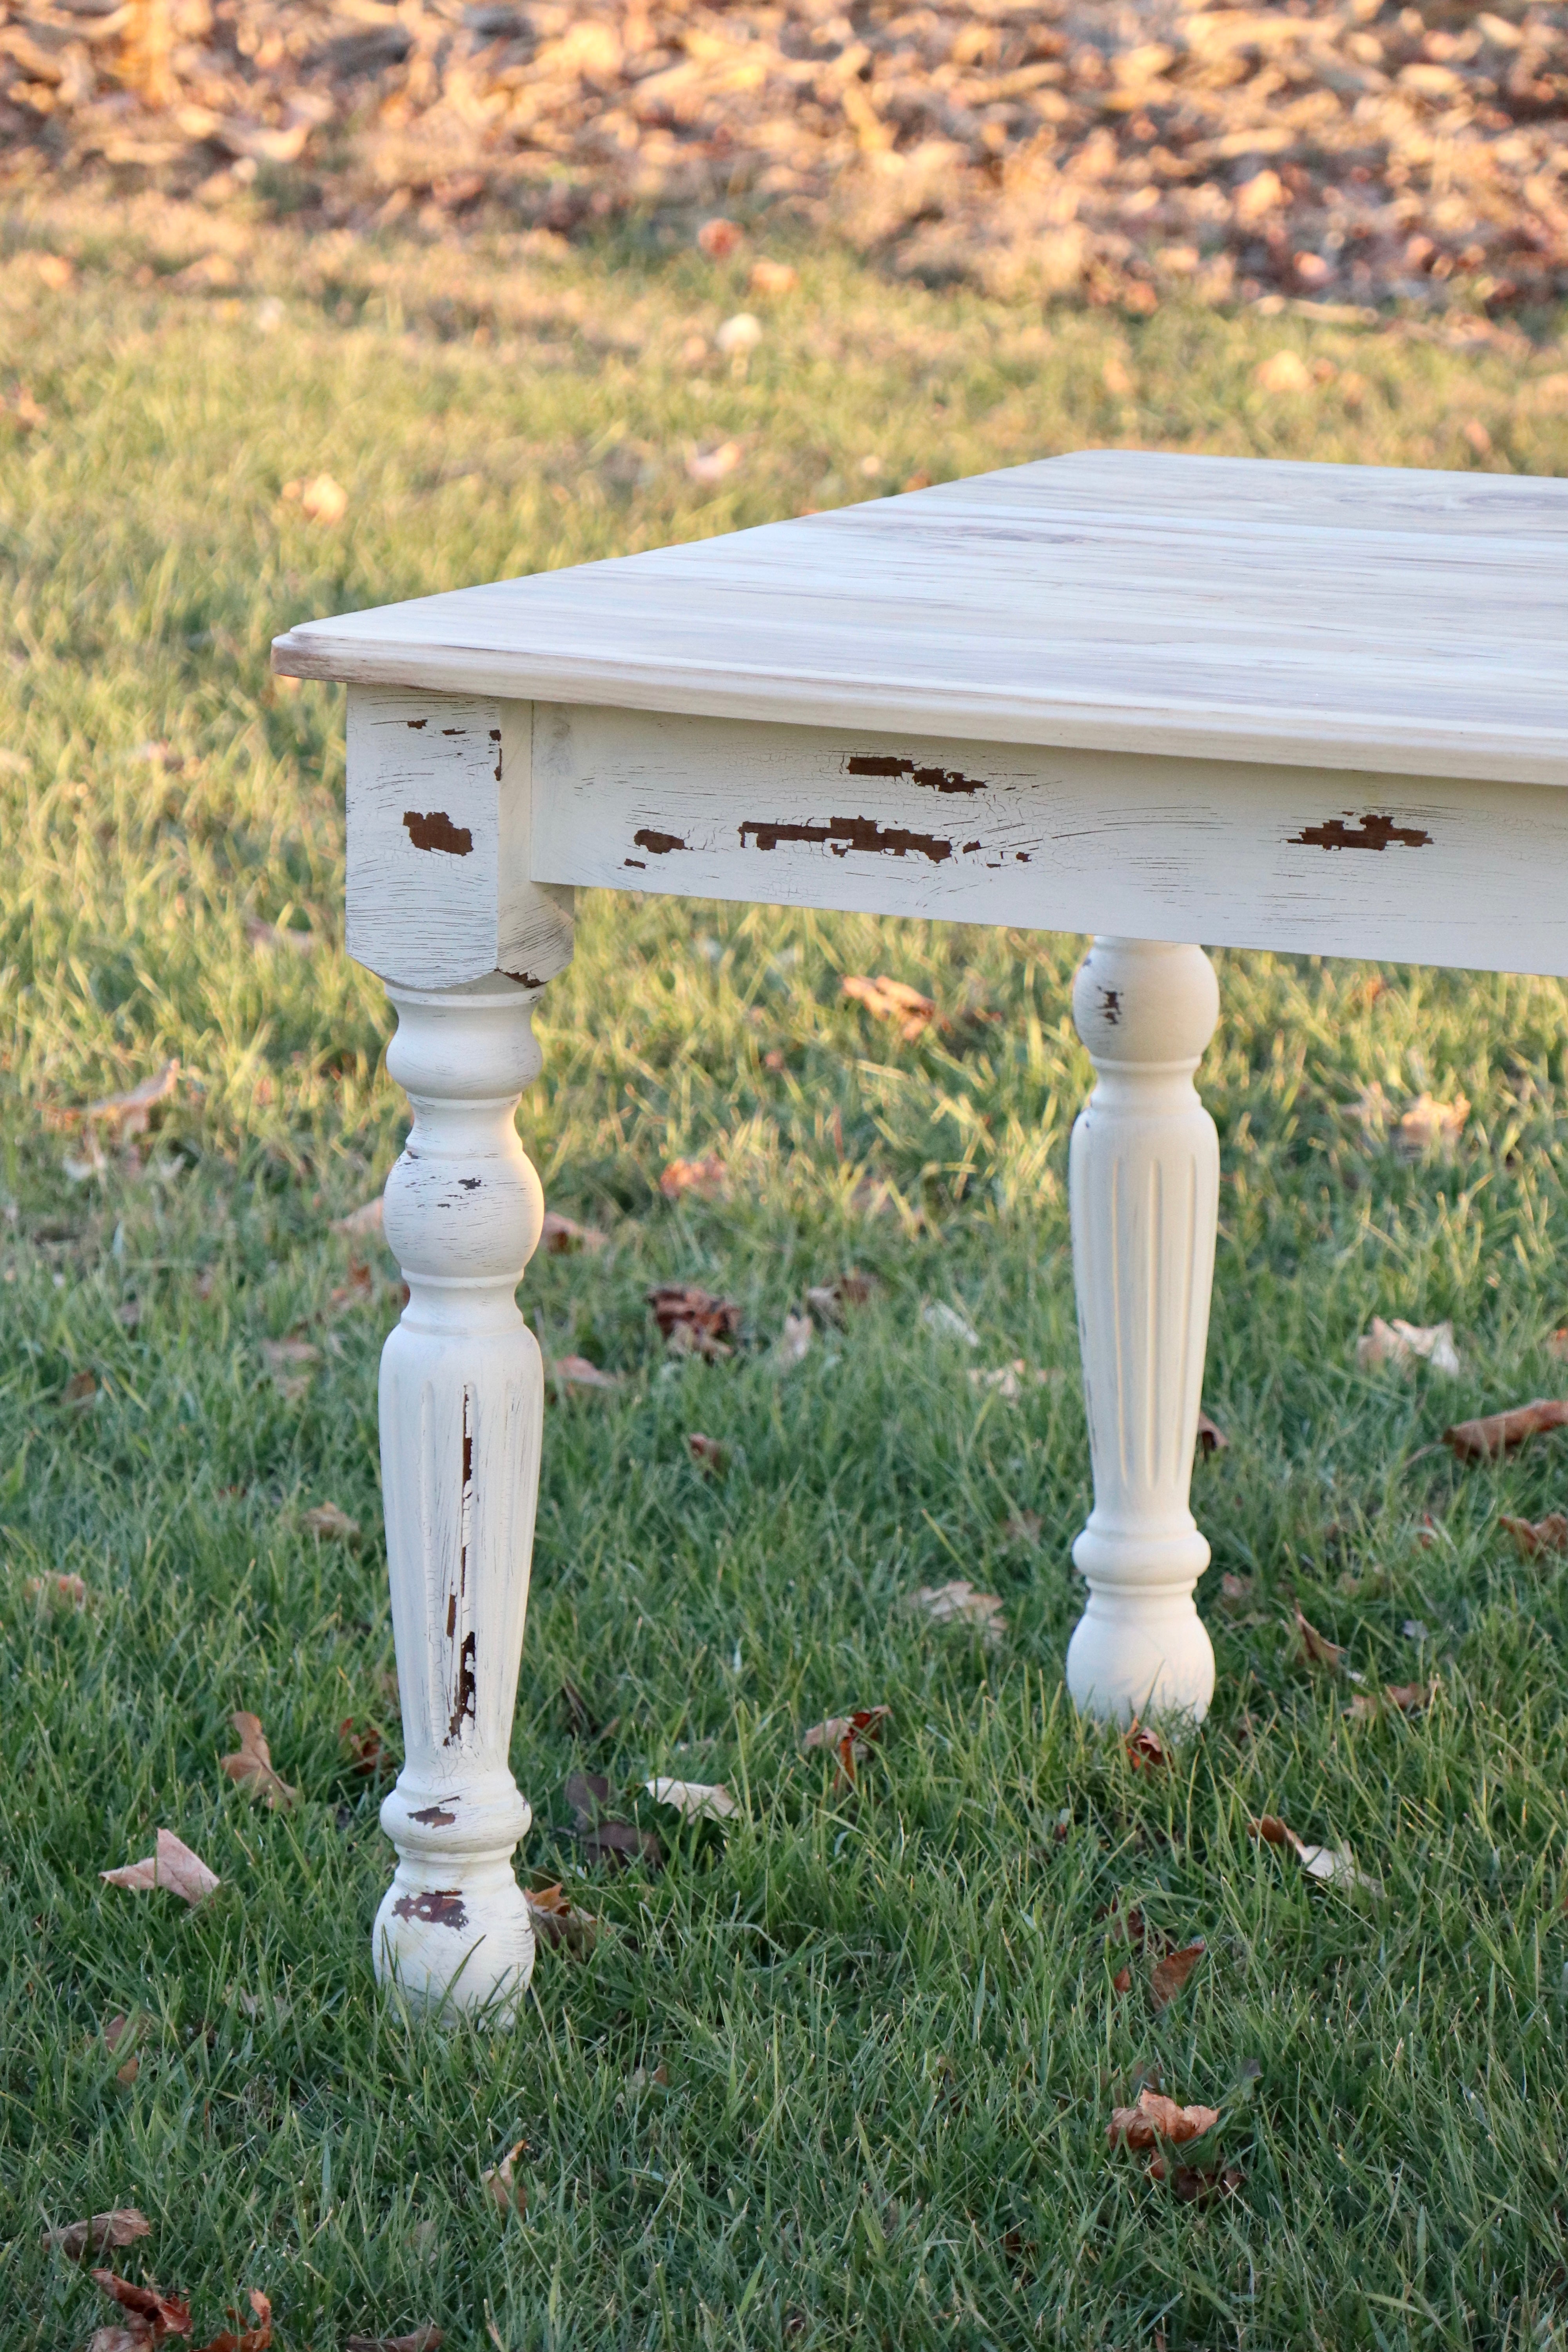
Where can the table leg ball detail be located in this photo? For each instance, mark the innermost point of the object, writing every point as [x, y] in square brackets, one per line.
[462, 1408]
[1145, 1187]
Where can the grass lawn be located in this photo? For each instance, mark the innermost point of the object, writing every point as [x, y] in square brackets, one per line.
[841, 2075]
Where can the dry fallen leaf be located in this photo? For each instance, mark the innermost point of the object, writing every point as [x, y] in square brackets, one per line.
[603, 1837]
[577, 1372]
[1235, 1591]
[1172, 1973]
[561, 1235]
[1427, 1123]
[1283, 371]
[709, 467]
[1212, 1438]
[1145, 1750]
[81, 1388]
[1411, 1697]
[1496, 1432]
[326, 1519]
[720, 238]
[246, 2340]
[1403, 1344]
[121, 2227]
[1022, 1527]
[366, 1219]
[1316, 1649]
[428, 2338]
[707, 1177]
[893, 1000]
[693, 1321]
[707, 1452]
[851, 1737]
[279, 1355]
[172, 1866]
[251, 1767]
[948, 1323]
[510, 2194]
[792, 1344]
[556, 1921]
[114, 2034]
[1156, 2118]
[322, 499]
[1557, 1345]
[64, 1585]
[1009, 1380]
[366, 1749]
[127, 1113]
[694, 1800]
[160, 2314]
[1336, 1865]
[1536, 1536]
[359, 1288]
[827, 1300]
[958, 1604]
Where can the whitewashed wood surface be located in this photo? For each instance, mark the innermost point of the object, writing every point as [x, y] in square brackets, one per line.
[1391, 621]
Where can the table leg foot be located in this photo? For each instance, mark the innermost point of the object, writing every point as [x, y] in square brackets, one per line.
[462, 1402]
[1145, 1184]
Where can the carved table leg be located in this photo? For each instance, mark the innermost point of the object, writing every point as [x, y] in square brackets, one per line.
[462, 1399]
[1145, 1182]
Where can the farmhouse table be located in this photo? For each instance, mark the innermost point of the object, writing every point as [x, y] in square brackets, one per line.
[1157, 698]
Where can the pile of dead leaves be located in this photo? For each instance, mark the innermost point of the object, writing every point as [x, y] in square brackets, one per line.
[1160, 2127]
[1353, 152]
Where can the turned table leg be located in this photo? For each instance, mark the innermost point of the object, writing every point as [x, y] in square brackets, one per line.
[1145, 1182]
[462, 1395]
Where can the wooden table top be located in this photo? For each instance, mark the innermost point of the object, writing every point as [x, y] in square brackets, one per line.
[1337, 617]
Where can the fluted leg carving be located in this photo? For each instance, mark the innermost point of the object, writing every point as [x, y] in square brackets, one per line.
[462, 1400]
[1145, 1182]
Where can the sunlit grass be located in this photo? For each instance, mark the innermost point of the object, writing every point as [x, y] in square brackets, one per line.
[888, 2023]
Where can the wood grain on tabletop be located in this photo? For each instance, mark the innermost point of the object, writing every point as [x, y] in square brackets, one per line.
[1394, 621]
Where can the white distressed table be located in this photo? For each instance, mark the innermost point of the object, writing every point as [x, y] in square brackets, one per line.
[1159, 698]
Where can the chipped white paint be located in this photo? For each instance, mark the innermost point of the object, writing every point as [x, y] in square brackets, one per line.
[462, 1401]
[440, 809]
[1320, 861]
[1144, 1185]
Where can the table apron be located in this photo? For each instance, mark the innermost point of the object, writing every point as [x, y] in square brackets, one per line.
[1329, 861]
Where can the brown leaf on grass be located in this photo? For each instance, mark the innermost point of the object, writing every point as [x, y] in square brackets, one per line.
[366, 1749]
[850, 1735]
[251, 1766]
[1317, 1650]
[1145, 1750]
[127, 1114]
[1497, 1432]
[322, 498]
[173, 1866]
[1155, 2119]
[162, 2314]
[827, 1300]
[1336, 1865]
[359, 1288]
[560, 1236]
[327, 1520]
[708, 1178]
[1123, 1980]
[114, 2034]
[793, 1343]
[693, 1321]
[280, 1355]
[577, 1372]
[508, 2194]
[1022, 1527]
[893, 1000]
[719, 238]
[1009, 1380]
[1403, 1344]
[1557, 1346]
[1411, 1697]
[694, 1800]
[556, 1921]
[1235, 1591]
[1172, 1973]
[121, 2227]
[712, 466]
[958, 1604]
[602, 1835]
[63, 1585]
[246, 2339]
[366, 1219]
[707, 1452]
[428, 2338]
[1536, 1536]
[81, 1388]
[1427, 1123]
[1212, 1438]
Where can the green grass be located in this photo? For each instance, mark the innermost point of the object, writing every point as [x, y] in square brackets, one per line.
[887, 2023]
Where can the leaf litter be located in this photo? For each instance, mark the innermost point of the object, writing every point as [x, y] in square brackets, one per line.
[120, 2227]
[251, 1766]
[1534, 1537]
[1335, 1866]
[694, 1800]
[1499, 1432]
[958, 1604]
[694, 1321]
[172, 1866]
[1404, 1344]
[851, 1737]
